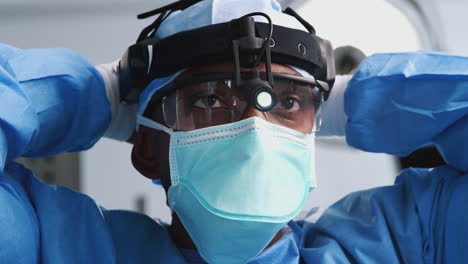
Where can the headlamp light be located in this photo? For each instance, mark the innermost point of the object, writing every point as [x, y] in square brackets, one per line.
[258, 94]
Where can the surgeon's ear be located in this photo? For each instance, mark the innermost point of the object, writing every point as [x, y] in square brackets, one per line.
[143, 159]
[150, 153]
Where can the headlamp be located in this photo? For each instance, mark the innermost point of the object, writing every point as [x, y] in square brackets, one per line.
[265, 100]
[259, 94]
[242, 40]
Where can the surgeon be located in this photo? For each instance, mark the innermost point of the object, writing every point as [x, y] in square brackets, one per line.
[225, 98]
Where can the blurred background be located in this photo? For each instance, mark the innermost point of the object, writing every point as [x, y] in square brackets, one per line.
[102, 30]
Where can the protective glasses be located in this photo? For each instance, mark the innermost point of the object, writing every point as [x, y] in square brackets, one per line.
[211, 99]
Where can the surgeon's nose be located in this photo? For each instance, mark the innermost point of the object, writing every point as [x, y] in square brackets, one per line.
[252, 112]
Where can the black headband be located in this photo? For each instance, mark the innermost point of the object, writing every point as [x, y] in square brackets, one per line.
[213, 44]
[152, 58]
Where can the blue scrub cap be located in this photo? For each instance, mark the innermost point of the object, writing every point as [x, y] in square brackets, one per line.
[211, 12]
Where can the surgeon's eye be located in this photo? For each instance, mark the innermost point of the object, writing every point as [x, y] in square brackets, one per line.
[209, 101]
[289, 103]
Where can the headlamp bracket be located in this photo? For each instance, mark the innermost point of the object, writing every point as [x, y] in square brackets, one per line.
[253, 87]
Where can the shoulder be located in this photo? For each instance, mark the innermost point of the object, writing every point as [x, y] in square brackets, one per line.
[37, 219]
[140, 239]
[405, 222]
[19, 228]
[32, 212]
[379, 225]
[141, 224]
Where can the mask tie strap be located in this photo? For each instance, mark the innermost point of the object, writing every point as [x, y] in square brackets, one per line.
[141, 120]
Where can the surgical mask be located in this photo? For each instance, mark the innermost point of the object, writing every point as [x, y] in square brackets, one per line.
[234, 186]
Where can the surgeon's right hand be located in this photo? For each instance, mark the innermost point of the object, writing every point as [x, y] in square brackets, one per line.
[123, 120]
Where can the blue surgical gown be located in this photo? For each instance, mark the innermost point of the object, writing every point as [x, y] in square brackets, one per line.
[53, 101]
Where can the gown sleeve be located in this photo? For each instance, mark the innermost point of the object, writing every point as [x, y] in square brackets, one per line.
[396, 103]
[399, 102]
[51, 101]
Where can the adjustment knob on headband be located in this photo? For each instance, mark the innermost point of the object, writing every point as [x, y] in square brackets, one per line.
[133, 70]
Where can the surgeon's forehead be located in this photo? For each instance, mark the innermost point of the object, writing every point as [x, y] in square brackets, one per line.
[229, 67]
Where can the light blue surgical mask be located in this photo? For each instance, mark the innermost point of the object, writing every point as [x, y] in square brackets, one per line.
[234, 186]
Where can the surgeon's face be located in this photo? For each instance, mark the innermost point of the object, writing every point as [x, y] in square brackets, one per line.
[207, 96]
[197, 108]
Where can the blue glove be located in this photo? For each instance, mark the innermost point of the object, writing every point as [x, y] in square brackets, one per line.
[397, 103]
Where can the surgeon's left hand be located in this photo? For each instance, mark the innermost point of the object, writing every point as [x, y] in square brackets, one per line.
[452, 144]
[397, 103]
[123, 120]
